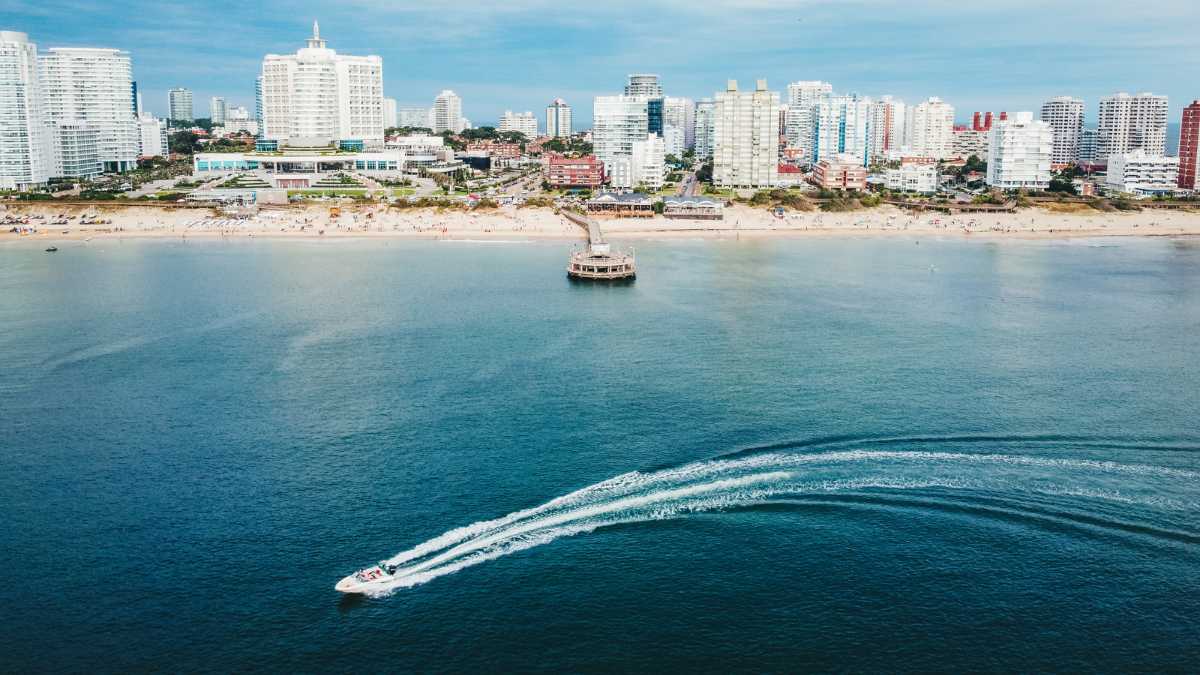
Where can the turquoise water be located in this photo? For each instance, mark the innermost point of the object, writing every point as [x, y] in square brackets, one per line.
[826, 454]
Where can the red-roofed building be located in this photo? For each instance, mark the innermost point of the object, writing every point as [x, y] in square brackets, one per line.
[575, 172]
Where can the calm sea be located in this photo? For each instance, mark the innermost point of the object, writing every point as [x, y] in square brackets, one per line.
[772, 456]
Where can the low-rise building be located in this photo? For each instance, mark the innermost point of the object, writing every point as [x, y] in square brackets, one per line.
[1142, 175]
[840, 173]
[496, 149]
[912, 177]
[626, 205]
[575, 172]
[299, 169]
[694, 208]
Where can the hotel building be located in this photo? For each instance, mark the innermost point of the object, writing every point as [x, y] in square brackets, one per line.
[317, 97]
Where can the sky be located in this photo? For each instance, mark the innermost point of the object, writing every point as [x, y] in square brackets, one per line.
[522, 54]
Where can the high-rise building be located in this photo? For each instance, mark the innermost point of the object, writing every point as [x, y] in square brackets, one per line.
[644, 85]
[258, 100]
[25, 152]
[91, 87]
[447, 113]
[1020, 153]
[617, 123]
[647, 162]
[800, 120]
[558, 119]
[746, 132]
[841, 129]
[179, 105]
[1129, 123]
[316, 96]
[673, 137]
[931, 129]
[152, 136]
[1089, 142]
[390, 117]
[414, 118]
[681, 114]
[705, 119]
[1189, 146]
[887, 126]
[1064, 114]
[217, 110]
[521, 123]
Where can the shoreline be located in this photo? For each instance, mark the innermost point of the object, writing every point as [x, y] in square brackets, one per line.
[541, 224]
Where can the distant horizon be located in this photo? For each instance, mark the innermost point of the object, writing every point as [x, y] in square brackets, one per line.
[520, 56]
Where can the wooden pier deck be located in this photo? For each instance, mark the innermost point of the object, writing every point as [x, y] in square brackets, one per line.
[598, 262]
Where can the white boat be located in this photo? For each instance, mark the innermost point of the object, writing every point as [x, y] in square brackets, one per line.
[364, 580]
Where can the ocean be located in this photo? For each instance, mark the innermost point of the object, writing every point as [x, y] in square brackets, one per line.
[836, 454]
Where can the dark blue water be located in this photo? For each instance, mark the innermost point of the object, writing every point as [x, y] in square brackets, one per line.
[849, 455]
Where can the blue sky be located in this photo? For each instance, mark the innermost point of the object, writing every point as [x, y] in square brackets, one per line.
[521, 54]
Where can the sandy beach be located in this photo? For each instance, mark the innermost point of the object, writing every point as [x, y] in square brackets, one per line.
[540, 223]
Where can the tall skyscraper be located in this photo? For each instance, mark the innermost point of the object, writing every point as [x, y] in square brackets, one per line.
[746, 132]
[706, 110]
[800, 120]
[1020, 153]
[617, 123]
[1129, 123]
[24, 144]
[316, 96]
[887, 126]
[1189, 146]
[89, 89]
[681, 114]
[644, 85]
[842, 129]
[217, 110]
[1064, 114]
[447, 113]
[258, 100]
[931, 129]
[179, 105]
[558, 119]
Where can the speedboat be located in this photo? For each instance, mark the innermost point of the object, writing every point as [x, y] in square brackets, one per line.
[52, 249]
[366, 580]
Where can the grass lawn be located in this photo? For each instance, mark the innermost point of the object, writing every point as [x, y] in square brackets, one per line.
[339, 192]
[403, 192]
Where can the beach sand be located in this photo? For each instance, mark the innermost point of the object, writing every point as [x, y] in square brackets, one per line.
[372, 220]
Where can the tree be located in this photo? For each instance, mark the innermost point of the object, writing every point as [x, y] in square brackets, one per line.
[705, 173]
[182, 142]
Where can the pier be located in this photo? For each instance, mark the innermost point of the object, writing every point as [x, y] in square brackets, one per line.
[598, 262]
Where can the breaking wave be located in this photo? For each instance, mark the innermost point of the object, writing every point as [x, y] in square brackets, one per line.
[1099, 493]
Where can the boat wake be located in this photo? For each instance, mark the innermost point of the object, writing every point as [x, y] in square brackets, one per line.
[1160, 500]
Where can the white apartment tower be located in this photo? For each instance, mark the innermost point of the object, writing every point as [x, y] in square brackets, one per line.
[1020, 153]
[746, 137]
[522, 123]
[648, 162]
[887, 127]
[447, 113]
[558, 119]
[391, 117]
[91, 89]
[24, 144]
[705, 117]
[644, 85]
[1064, 114]
[1129, 123]
[617, 123]
[681, 114]
[179, 105]
[217, 110]
[152, 136]
[317, 97]
[931, 129]
[801, 118]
